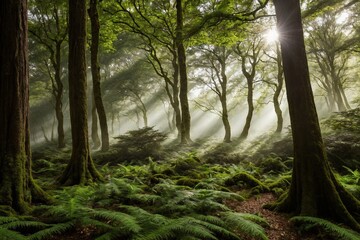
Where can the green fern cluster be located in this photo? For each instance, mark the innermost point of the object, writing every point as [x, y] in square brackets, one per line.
[326, 228]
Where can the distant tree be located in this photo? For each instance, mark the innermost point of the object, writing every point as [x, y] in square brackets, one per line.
[48, 26]
[81, 168]
[250, 54]
[95, 71]
[17, 187]
[277, 84]
[215, 62]
[329, 45]
[154, 22]
[314, 189]
[184, 102]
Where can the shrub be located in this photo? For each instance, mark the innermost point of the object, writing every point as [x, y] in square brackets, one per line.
[137, 145]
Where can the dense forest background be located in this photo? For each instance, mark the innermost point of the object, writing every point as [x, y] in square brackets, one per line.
[180, 119]
[137, 74]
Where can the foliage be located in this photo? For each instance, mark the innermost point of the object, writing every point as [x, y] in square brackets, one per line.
[140, 144]
[348, 121]
[272, 164]
[325, 227]
[351, 181]
[245, 180]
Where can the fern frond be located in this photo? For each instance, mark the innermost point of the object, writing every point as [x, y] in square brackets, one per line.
[244, 226]
[54, 230]
[128, 221]
[86, 221]
[328, 227]
[4, 220]
[15, 225]
[216, 225]
[255, 218]
[178, 228]
[7, 234]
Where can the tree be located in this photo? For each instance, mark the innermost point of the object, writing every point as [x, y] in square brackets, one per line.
[329, 45]
[153, 22]
[216, 59]
[81, 168]
[49, 28]
[17, 187]
[95, 71]
[314, 190]
[277, 85]
[184, 102]
[250, 58]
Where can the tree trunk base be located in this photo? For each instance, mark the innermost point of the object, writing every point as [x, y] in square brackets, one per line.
[337, 204]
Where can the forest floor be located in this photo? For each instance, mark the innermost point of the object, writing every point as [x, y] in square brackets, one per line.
[280, 228]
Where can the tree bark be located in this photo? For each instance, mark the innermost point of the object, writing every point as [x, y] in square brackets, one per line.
[184, 103]
[250, 82]
[58, 93]
[95, 71]
[175, 94]
[80, 169]
[314, 190]
[279, 86]
[17, 187]
[94, 126]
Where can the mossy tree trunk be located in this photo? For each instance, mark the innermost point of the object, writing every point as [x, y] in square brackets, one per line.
[184, 103]
[17, 187]
[52, 38]
[218, 63]
[94, 126]
[314, 190]
[80, 169]
[95, 71]
[249, 60]
[278, 89]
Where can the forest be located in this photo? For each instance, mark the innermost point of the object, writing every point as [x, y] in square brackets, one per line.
[179, 119]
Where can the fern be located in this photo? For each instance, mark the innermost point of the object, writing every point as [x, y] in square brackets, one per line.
[16, 225]
[129, 222]
[181, 227]
[328, 227]
[7, 234]
[55, 229]
[241, 223]
[4, 220]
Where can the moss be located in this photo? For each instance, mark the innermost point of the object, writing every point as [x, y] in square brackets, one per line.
[272, 164]
[280, 185]
[245, 180]
[186, 181]
[6, 211]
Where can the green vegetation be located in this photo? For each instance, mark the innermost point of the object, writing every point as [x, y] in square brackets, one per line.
[180, 194]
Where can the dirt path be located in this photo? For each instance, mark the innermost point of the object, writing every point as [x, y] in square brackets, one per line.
[280, 227]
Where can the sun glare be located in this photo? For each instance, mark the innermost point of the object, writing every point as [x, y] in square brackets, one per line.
[271, 35]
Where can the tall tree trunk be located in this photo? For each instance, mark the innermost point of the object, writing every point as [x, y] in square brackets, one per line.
[279, 86]
[94, 126]
[17, 187]
[245, 132]
[176, 103]
[225, 120]
[223, 95]
[185, 112]
[80, 169]
[95, 71]
[314, 190]
[58, 95]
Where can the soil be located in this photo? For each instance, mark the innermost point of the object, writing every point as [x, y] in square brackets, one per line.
[280, 228]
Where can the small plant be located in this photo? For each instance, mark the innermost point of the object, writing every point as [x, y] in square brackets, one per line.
[140, 144]
[325, 227]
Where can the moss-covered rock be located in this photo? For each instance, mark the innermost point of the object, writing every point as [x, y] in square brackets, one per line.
[246, 181]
